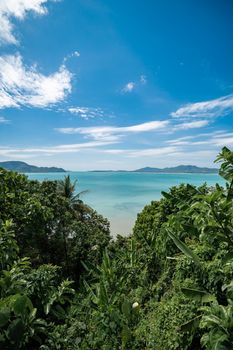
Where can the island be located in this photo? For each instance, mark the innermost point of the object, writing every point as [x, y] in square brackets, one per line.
[188, 169]
[23, 167]
[180, 169]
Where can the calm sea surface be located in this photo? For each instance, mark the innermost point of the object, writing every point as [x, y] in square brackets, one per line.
[120, 196]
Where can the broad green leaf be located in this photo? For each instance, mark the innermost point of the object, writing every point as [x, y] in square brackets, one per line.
[199, 295]
[184, 248]
[21, 304]
[193, 323]
[4, 316]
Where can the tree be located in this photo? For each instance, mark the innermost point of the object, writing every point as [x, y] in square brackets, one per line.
[52, 225]
[67, 189]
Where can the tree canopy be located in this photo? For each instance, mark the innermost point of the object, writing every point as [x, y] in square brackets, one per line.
[65, 284]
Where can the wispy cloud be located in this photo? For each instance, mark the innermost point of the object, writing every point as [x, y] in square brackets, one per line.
[212, 108]
[146, 152]
[87, 112]
[3, 120]
[60, 149]
[129, 87]
[180, 139]
[192, 125]
[111, 132]
[214, 139]
[205, 135]
[114, 151]
[132, 85]
[71, 55]
[17, 9]
[222, 140]
[143, 79]
[149, 152]
[26, 86]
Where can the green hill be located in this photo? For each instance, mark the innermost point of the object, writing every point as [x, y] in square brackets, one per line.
[23, 167]
[179, 169]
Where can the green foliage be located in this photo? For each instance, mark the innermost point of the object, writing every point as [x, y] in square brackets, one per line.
[168, 286]
[51, 223]
[9, 248]
[226, 158]
[113, 317]
[31, 299]
[161, 327]
[184, 248]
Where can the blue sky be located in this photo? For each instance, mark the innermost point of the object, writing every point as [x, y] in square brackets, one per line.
[91, 84]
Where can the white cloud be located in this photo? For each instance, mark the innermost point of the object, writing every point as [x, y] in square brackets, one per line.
[73, 54]
[3, 120]
[26, 86]
[190, 143]
[114, 151]
[146, 152]
[214, 139]
[192, 125]
[212, 108]
[17, 9]
[114, 133]
[148, 126]
[222, 141]
[60, 149]
[76, 53]
[197, 136]
[143, 79]
[179, 143]
[180, 139]
[129, 87]
[87, 112]
[161, 151]
[224, 134]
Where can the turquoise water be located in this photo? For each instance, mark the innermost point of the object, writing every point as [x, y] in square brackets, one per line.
[120, 196]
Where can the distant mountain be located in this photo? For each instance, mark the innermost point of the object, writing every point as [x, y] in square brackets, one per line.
[191, 169]
[23, 167]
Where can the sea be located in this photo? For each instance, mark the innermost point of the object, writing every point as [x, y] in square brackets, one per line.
[120, 196]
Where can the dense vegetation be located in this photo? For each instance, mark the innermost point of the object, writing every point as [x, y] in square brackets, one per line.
[65, 284]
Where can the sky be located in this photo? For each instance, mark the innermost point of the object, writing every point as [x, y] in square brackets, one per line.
[94, 84]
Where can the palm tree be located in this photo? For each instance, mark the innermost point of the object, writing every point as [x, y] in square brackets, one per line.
[66, 189]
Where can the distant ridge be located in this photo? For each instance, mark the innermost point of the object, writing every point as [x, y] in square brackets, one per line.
[189, 169]
[23, 167]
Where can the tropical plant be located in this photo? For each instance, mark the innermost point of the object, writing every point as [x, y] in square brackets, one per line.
[167, 286]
